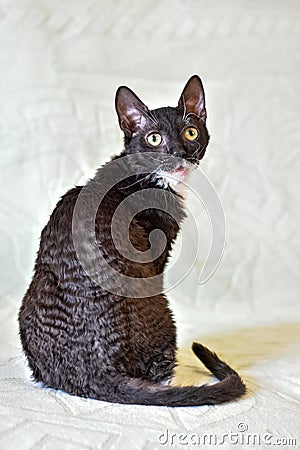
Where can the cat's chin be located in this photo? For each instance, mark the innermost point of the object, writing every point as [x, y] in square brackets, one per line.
[174, 179]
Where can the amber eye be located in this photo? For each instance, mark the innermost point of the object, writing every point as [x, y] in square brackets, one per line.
[154, 139]
[191, 133]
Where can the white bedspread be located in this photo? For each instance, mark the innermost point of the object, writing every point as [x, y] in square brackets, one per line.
[61, 62]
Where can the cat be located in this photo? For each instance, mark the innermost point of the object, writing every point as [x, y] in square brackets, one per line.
[85, 330]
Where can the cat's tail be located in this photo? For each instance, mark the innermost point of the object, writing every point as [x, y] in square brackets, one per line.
[230, 386]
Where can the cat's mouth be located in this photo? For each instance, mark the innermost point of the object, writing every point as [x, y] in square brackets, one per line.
[180, 172]
[172, 177]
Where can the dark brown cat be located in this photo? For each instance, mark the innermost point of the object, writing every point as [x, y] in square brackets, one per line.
[94, 321]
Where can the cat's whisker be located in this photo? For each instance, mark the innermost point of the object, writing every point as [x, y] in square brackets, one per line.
[135, 182]
[150, 115]
[196, 115]
[184, 110]
[154, 159]
[210, 163]
[169, 189]
[154, 118]
[183, 128]
[197, 149]
[166, 200]
[193, 164]
[145, 178]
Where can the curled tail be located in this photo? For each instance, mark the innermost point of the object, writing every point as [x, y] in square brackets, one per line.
[137, 391]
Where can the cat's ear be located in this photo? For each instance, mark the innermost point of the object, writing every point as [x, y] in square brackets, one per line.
[192, 99]
[132, 112]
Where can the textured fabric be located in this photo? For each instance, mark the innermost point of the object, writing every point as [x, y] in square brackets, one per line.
[61, 63]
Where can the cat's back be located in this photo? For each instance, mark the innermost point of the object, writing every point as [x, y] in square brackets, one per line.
[59, 301]
[55, 250]
[56, 247]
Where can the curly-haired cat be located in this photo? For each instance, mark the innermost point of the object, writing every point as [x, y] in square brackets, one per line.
[82, 330]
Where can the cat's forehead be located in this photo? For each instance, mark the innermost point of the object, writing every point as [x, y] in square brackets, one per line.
[166, 117]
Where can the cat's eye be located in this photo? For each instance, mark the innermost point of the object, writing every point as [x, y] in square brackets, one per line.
[191, 133]
[154, 139]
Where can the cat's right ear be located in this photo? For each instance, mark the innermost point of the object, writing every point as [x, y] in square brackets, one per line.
[132, 112]
[192, 99]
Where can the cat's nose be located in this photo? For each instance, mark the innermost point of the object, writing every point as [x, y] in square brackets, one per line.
[179, 152]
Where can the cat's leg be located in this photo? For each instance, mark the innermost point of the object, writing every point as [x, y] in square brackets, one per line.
[161, 366]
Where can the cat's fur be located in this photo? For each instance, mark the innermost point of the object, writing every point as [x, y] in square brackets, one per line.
[87, 337]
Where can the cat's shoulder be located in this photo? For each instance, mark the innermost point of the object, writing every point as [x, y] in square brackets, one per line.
[68, 198]
[63, 211]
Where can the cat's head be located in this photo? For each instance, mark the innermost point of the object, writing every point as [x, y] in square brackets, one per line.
[175, 138]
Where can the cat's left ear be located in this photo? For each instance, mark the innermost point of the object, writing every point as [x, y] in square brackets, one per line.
[132, 112]
[192, 98]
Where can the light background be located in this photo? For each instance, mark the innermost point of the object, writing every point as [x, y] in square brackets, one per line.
[61, 63]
